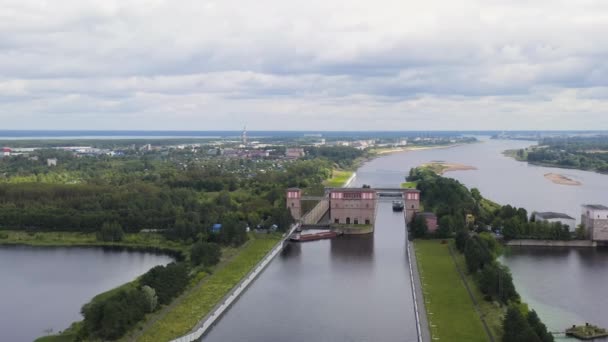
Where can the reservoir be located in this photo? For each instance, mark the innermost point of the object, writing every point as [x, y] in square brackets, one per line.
[356, 289]
[43, 288]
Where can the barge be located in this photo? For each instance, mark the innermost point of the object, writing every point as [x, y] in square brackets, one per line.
[312, 237]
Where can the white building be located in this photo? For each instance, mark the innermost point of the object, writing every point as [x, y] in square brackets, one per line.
[51, 162]
[556, 217]
[595, 219]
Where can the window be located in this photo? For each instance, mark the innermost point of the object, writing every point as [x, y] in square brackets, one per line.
[367, 221]
[337, 221]
[348, 220]
[292, 204]
[412, 206]
[356, 221]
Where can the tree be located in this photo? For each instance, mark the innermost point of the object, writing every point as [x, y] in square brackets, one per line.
[516, 327]
[446, 226]
[476, 254]
[539, 328]
[581, 232]
[206, 253]
[461, 239]
[110, 232]
[150, 298]
[495, 281]
[418, 226]
[476, 194]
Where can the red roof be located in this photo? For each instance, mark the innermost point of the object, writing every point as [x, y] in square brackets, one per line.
[6, 149]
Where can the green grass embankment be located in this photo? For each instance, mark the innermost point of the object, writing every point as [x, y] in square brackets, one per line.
[409, 185]
[200, 300]
[141, 241]
[450, 311]
[492, 312]
[338, 178]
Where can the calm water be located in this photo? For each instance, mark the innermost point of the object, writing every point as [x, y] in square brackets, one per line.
[44, 288]
[346, 289]
[356, 289]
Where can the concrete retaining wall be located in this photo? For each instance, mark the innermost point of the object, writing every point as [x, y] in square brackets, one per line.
[354, 230]
[552, 243]
[317, 213]
[207, 322]
[349, 182]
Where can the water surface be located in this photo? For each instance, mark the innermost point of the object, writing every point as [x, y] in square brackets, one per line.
[43, 288]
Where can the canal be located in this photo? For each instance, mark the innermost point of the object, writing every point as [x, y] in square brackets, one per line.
[353, 288]
[43, 288]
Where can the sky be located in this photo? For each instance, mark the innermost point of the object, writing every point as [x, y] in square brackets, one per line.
[304, 64]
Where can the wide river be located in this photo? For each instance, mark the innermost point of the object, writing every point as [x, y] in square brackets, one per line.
[356, 289]
[43, 288]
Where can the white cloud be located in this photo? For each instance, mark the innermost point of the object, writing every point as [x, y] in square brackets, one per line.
[303, 64]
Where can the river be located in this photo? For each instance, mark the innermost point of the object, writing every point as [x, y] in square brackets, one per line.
[43, 288]
[356, 289]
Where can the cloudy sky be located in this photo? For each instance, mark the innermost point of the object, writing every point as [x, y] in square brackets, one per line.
[303, 64]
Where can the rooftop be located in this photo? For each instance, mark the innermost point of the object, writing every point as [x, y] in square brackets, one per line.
[553, 215]
[353, 189]
[595, 206]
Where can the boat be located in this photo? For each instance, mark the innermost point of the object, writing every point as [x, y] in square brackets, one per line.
[397, 205]
[313, 237]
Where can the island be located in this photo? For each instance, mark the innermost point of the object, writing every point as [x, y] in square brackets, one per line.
[561, 179]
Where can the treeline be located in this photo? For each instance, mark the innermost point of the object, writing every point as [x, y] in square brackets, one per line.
[109, 316]
[586, 153]
[341, 155]
[494, 280]
[451, 201]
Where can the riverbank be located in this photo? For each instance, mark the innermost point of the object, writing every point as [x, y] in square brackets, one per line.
[392, 150]
[198, 302]
[339, 178]
[561, 179]
[145, 242]
[551, 243]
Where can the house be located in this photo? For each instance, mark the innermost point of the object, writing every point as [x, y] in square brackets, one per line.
[552, 217]
[595, 219]
[51, 162]
[216, 228]
[431, 221]
[6, 152]
[294, 153]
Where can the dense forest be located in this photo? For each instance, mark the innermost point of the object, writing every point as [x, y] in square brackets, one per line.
[586, 153]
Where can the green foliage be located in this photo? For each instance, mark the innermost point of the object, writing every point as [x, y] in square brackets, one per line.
[112, 317]
[206, 253]
[110, 232]
[341, 155]
[418, 227]
[539, 327]
[462, 236]
[477, 254]
[495, 282]
[150, 297]
[168, 281]
[517, 328]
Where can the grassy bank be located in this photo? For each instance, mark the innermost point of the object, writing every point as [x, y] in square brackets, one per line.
[338, 178]
[491, 311]
[142, 241]
[409, 185]
[199, 301]
[450, 311]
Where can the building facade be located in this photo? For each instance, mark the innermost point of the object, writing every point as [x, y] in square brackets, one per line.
[294, 202]
[411, 198]
[595, 219]
[294, 153]
[352, 206]
[553, 217]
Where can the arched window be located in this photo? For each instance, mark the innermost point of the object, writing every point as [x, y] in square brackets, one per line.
[367, 221]
[356, 221]
[348, 220]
